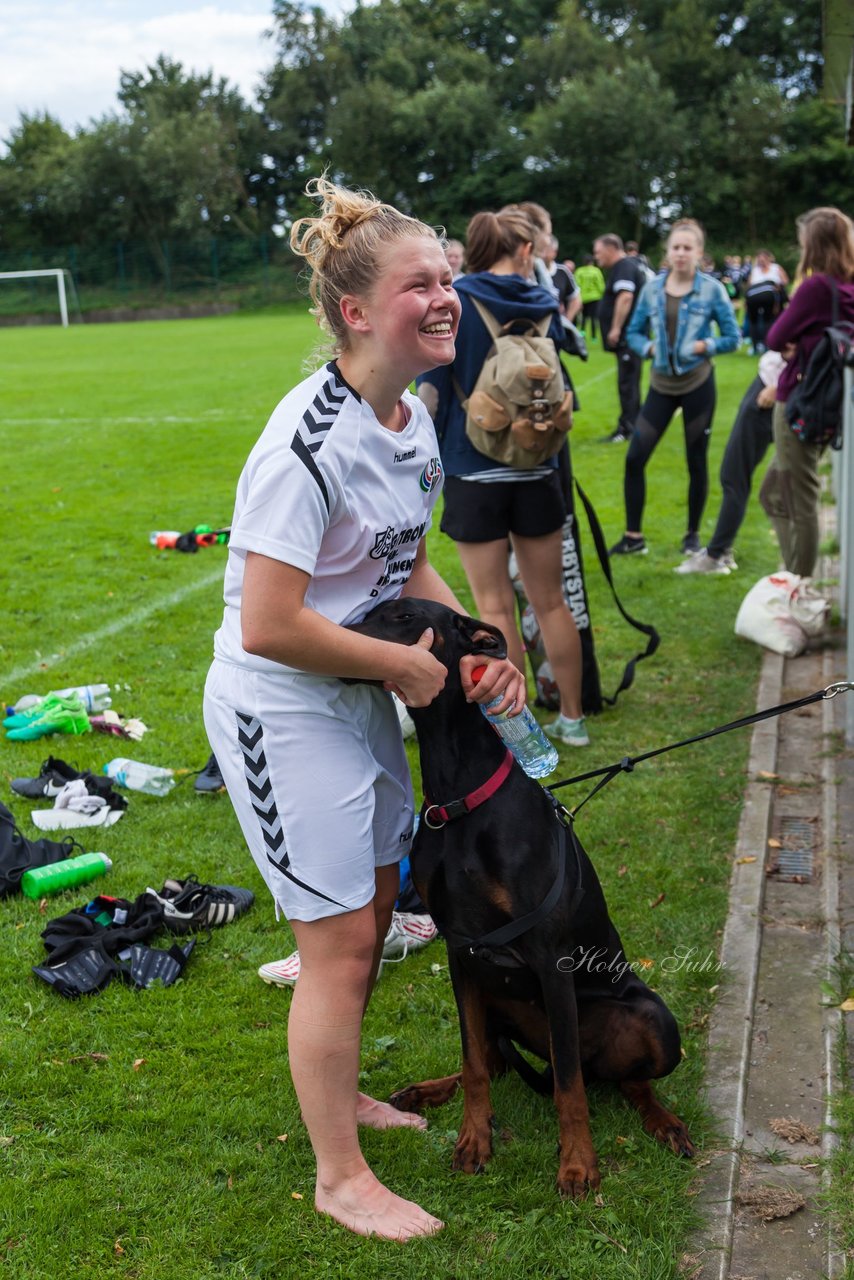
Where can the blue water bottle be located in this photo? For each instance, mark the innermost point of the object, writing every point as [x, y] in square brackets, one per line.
[522, 735]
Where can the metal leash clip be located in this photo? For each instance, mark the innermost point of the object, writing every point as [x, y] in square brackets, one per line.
[841, 686]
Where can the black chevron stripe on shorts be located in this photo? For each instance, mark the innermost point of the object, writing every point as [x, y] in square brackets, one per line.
[250, 735]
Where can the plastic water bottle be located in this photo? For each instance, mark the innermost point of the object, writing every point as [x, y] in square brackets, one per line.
[27, 703]
[140, 777]
[522, 735]
[41, 881]
[163, 539]
[95, 697]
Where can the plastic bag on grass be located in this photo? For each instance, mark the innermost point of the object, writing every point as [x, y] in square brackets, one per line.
[782, 612]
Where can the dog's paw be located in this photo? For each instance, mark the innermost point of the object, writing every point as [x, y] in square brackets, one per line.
[669, 1130]
[575, 1180]
[430, 1093]
[473, 1151]
[675, 1136]
[408, 1099]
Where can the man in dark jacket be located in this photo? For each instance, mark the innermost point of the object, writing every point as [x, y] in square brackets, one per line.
[625, 277]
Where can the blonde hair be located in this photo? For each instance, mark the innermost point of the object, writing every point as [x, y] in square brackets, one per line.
[342, 247]
[827, 243]
[688, 224]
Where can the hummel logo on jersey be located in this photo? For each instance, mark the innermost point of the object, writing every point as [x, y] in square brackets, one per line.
[387, 542]
[404, 457]
[431, 475]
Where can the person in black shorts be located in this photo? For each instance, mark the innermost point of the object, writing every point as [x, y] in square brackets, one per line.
[625, 279]
[488, 505]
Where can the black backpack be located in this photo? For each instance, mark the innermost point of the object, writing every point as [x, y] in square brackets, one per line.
[815, 408]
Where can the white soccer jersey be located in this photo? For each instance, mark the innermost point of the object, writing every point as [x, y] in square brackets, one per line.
[331, 491]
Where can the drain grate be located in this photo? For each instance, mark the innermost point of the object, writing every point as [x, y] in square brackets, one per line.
[793, 860]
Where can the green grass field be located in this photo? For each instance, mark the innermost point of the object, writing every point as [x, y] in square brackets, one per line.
[142, 1134]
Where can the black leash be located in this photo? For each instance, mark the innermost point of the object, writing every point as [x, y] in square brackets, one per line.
[627, 764]
[653, 638]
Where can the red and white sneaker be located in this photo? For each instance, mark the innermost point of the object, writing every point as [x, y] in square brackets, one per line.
[281, 973]
[407, 932]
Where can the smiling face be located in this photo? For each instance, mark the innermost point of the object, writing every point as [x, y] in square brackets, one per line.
[413, 311]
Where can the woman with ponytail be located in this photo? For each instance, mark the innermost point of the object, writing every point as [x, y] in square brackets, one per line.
[491, 507]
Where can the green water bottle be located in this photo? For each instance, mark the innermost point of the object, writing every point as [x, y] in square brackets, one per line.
[40, 881]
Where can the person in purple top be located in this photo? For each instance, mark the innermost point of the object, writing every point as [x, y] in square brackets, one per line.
[790, 490]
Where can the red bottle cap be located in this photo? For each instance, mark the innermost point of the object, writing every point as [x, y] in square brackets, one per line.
[477, 674]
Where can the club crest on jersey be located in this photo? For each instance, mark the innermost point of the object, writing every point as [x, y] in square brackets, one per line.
[389, 540]
[431, 475]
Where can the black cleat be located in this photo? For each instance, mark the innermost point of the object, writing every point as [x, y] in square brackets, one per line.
[53, 776]
[628, 546]
[189, 906]
[210, 779]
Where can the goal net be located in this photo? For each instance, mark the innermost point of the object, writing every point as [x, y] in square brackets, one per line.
[58, 280]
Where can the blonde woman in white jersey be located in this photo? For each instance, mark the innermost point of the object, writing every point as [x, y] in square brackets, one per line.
[331, 512]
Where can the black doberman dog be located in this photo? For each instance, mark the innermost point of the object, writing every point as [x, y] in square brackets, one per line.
[563, 990]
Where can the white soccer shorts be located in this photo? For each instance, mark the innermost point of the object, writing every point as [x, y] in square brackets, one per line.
[318, 777]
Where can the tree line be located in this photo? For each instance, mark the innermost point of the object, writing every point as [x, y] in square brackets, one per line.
[616, 116]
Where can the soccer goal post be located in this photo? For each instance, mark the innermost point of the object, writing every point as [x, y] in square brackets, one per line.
[58, 272]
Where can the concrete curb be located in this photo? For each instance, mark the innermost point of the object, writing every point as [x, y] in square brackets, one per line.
[833, 1027]
[731, 1025]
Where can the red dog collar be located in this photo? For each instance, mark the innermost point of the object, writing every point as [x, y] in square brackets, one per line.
[459, 808]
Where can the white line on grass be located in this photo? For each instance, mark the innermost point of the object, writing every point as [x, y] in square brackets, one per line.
[131, 619]
[606, 373]
[138, 615]
[109, 421]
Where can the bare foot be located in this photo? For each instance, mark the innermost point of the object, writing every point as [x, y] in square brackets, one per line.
[364, 1205]
[382, 1115]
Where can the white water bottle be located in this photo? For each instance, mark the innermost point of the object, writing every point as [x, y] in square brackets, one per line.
[27, 702]
[522, 735]
[95, 697]
[140, 777]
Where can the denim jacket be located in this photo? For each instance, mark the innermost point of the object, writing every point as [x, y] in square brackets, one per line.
[706, 302]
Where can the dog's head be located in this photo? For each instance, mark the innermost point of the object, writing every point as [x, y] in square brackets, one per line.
[405, 620]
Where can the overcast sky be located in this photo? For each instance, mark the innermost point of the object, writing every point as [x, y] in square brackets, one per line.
[64, 56]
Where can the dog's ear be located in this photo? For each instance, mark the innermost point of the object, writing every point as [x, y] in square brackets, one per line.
[480, 637]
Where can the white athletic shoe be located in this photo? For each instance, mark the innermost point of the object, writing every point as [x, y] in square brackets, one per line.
[407, 932]
[701, 562]
[281, 973]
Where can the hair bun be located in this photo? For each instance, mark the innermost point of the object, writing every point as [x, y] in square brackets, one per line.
[341, 262]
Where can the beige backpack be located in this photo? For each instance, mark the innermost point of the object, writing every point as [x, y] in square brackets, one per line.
[520, 408]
